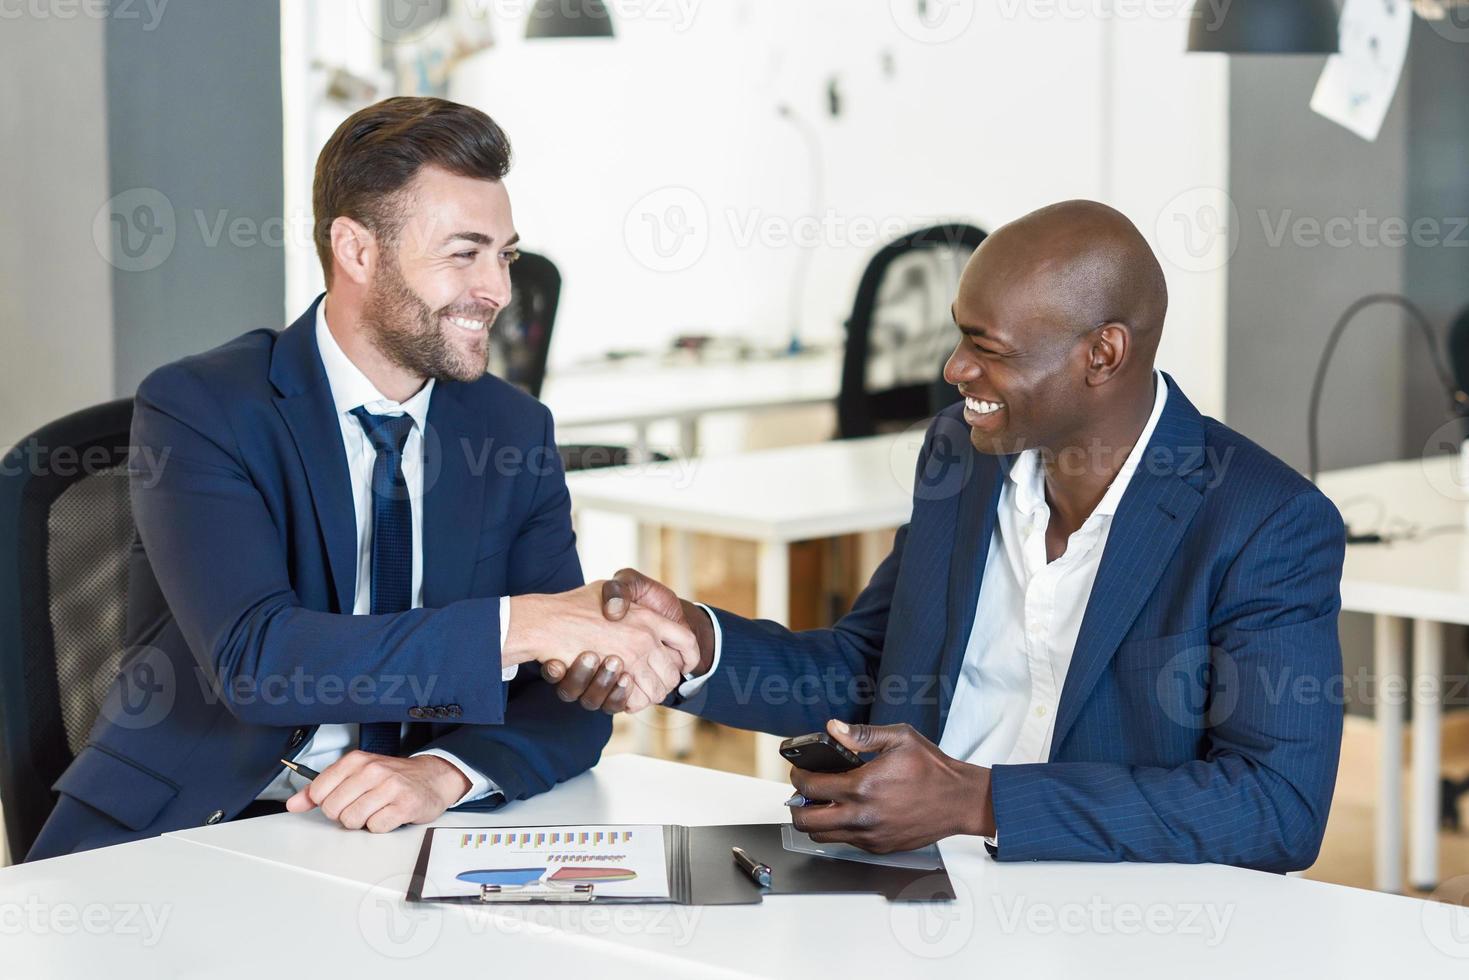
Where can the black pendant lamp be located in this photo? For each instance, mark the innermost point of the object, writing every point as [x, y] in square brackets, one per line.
[569, 18]
[1264, 27]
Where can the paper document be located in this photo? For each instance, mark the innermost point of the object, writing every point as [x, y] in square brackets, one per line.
[621, 861]
[1356, 87]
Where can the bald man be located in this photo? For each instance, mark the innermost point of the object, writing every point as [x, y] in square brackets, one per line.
[1109, 629]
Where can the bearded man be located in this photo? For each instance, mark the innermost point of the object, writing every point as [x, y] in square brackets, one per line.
[358, 536]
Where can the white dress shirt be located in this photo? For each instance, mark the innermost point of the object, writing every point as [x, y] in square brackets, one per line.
[1028, 616]
[351, 389]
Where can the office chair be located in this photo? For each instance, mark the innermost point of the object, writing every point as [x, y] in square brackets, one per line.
[521, 342]
[901, 332]
[66, 538]
[521, 338]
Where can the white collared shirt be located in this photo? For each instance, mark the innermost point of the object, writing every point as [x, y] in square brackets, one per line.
[1028, 616]
[351, 389]
[1027, 619]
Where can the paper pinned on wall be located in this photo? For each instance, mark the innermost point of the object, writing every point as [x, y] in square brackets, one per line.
[1356, 86]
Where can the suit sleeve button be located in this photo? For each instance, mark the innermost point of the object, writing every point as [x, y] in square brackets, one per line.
[455, 711]
[441, 712]
[415, 712]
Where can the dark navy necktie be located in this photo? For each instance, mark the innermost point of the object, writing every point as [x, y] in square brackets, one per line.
[392, 543]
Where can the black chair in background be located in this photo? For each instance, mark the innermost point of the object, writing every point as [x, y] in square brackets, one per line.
[521, 341]
[66, 538]
[521, 337]
[901, 332]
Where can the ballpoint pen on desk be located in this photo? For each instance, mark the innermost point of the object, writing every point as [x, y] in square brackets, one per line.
[306, 772]
[759, 872]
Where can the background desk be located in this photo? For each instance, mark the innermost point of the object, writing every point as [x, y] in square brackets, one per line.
[772, 497]
[1424, 583]
[294, 894]
[639, 393]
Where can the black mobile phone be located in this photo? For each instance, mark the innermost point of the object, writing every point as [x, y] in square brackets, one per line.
[818, 752]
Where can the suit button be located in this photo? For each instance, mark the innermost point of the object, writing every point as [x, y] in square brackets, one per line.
[214, 818]
[441, 712]
[297, 737]
[455, 711]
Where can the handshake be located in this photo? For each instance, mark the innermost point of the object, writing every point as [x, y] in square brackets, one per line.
[622, 644]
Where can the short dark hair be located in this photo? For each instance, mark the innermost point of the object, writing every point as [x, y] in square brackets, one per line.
[378, 150]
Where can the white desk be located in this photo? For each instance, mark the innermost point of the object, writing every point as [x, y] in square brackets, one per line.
[295, 894]
[772, 497]
[639, 393]
[1425, 583]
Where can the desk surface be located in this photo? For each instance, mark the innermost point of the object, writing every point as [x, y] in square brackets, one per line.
[790, 494]
[845, 487]
[233, 895]
[1426, 578]
[641, 392]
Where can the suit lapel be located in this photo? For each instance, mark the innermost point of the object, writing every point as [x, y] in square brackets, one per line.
[305, 402]
[1151, 520]
[457, 457]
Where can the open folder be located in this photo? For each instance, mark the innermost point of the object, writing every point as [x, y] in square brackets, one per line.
[644, 863]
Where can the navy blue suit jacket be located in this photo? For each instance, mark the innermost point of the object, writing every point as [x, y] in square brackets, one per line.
[240, 628]
[1196, 722]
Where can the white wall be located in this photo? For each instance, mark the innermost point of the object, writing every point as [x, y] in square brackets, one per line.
[673, 126]
[55, 283]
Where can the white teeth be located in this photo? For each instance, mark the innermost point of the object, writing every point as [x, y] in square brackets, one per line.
[466, 323]
[980, 407]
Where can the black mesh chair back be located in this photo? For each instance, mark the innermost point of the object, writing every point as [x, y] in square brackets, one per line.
[901, 331]
[521, 338]
[66, 538]
[520, 344]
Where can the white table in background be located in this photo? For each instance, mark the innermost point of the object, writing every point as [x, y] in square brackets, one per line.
[772, 497]
[639, 393]
[1418, 585]
[295, 894]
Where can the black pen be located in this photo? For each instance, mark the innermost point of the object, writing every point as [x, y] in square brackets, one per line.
[304, 771]
[759, 873]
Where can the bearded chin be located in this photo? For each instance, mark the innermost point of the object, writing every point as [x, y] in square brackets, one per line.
[410, 334]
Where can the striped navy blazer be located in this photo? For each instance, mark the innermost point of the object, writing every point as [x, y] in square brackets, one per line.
[1199, 721]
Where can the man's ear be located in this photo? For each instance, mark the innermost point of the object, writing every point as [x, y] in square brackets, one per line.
[354, 249]
[1110, 345]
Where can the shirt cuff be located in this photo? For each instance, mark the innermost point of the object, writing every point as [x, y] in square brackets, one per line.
[507, 674]
[691, 687]
[480, 785]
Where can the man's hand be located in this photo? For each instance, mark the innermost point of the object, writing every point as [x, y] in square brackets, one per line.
[653, 650]
[596, 683]
[382, 792]
[909, 796]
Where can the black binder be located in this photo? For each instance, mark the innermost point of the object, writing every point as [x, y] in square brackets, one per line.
[702, 871]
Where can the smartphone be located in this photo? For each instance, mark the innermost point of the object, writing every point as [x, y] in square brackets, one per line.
[818, 752]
